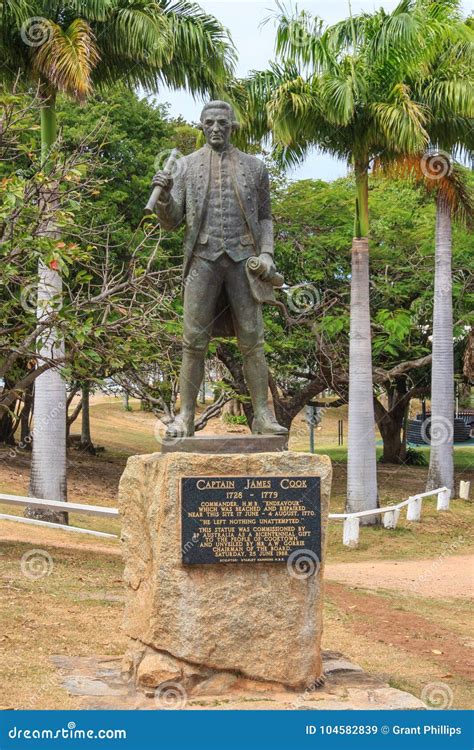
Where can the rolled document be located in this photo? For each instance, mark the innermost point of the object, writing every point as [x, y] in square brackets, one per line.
[254, 264]
[156, 192]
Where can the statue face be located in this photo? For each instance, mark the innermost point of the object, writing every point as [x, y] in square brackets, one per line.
[217, 127]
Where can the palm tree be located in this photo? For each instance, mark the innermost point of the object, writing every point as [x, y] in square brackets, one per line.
[441, 469]
[70, 46]
[444, 88]
[438, 174]
[448, 95]
[342, 90]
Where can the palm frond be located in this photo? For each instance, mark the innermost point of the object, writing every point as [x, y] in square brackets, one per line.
[298, 35]
[202, 55]
[401, 120]
[66, 58]
[92, 10]
[292, 106]
[136, 31]
[438, 174]
[451, 96]
[16, 11]
[338, 97]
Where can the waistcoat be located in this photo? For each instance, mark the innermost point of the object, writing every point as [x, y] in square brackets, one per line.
[224, 229]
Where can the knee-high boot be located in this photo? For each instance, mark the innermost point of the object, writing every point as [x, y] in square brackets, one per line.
[256, 377]
[192, 373]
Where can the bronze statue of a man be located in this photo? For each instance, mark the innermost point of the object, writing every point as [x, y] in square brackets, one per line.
[223, 196]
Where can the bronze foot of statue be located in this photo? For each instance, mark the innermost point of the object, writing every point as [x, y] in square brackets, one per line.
[181, 426]
[266, 424]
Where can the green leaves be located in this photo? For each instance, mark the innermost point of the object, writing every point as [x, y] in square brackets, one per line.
[75, 45]
[397, 323]
[400, 121]
[365, 87]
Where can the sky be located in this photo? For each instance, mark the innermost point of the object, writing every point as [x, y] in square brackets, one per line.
[255, 47]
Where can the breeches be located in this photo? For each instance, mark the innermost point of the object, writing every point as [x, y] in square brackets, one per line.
[203, 286]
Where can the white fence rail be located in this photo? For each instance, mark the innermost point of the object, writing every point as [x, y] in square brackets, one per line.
[350, 533]
[34, 502]
[391, 514]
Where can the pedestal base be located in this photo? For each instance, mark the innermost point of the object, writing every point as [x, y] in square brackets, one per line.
[98, 683]
[261, 620]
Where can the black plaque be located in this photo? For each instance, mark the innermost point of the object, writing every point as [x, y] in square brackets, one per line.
[249, 519]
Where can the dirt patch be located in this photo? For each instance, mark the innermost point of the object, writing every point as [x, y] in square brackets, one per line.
[439, 578]
[403, 629]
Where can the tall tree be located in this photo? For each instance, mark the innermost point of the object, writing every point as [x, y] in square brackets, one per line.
[448, 183]
[444, 88]
[343, 90]
[69, 47]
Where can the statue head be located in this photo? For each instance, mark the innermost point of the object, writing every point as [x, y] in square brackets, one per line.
[218, 122]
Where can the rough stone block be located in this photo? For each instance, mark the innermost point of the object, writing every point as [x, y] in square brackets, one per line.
[258, 620]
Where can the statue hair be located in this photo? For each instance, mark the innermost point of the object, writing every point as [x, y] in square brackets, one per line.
[219, 104]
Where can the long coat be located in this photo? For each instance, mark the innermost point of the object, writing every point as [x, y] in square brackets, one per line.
[189, 196]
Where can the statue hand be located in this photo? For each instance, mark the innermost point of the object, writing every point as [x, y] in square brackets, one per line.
[268, 267]
[164, 181]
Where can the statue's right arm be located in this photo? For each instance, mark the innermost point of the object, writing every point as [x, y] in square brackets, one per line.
[170, 207]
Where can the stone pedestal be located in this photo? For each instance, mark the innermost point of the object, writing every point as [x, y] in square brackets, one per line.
[196, 623]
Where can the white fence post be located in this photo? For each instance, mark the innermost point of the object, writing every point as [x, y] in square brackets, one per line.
[414, 509]
[464, 490]
[350, 532]
[443, 499]
[390, 518]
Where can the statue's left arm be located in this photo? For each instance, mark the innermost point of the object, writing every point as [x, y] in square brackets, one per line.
[265, 213]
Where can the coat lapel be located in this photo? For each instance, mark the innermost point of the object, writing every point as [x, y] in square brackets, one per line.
[244, 186]
[197, 192]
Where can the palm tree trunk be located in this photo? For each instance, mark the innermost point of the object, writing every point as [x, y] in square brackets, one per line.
[441, 470]
[48, 463]
[361, 456]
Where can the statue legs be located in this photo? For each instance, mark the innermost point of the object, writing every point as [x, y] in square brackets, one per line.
[192, 373]
[202, 290]
[256, 377]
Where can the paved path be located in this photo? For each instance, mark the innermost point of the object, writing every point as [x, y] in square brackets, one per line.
[438, 577]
